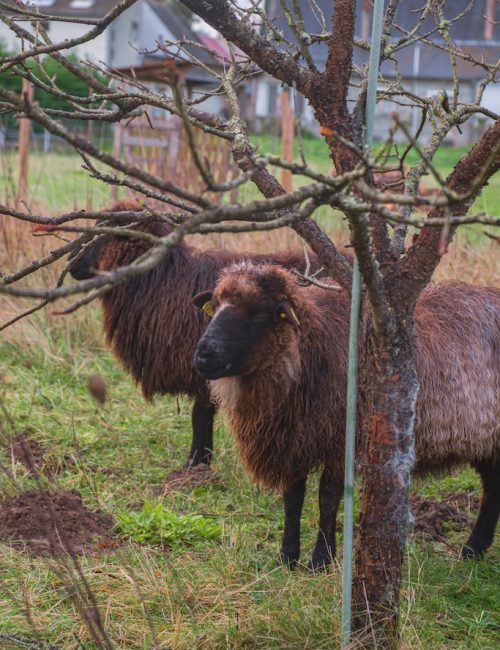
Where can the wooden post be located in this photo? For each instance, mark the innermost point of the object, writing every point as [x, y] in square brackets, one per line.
[489, 20]
[24, 145]
[287, 135]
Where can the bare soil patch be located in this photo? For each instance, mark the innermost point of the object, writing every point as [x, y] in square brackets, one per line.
[457, 511]
[189, 479]
[54, 523]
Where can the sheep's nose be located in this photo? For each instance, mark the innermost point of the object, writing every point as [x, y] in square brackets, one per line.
[208, 353]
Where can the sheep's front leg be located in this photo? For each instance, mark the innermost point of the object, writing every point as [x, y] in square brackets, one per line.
[202, 419]
[293, 500]
[330, 493]
[483, 532]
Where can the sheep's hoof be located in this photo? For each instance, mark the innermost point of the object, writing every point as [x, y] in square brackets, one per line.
[194, 462]
[469, 552]
[319, 563]
[288, 558]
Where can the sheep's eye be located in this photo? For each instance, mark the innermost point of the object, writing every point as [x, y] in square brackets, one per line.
[261, 317]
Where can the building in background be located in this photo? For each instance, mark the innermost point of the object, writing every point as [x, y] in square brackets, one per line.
[425, 68]
[131, 46]
[96, 50]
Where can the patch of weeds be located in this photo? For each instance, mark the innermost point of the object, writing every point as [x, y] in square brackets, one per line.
[156, 525]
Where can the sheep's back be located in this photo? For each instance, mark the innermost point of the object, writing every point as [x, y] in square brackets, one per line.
[457, 339]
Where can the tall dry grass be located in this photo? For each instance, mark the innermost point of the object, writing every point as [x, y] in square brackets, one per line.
[58, 183]
[43, 329]
[476, 262]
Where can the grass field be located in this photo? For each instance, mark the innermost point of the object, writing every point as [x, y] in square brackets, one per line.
[199, 592]
[225, 593]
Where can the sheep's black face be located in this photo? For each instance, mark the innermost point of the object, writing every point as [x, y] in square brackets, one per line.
[254, 328]
[85, 267]
[232, 341]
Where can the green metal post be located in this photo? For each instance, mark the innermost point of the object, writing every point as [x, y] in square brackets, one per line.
[352, 381]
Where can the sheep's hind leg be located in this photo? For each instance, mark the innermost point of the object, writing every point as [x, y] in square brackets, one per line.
[202, 419]
[330, 493]
[483, 532]
[293, 501]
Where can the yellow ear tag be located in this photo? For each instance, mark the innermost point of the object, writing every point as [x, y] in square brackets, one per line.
[208, 308]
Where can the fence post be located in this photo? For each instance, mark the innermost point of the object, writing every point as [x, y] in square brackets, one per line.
[287, 135]
[24, 145]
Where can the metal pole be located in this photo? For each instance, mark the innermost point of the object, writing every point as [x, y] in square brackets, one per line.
[352, 379]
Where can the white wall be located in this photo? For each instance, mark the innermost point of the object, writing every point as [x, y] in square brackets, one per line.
[491, 98]
[262, 101]
[122, 38]
[136, 30]
[95, 50]
[153, 29]
[8, 39]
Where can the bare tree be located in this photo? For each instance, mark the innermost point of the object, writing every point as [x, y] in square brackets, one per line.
[393, 271]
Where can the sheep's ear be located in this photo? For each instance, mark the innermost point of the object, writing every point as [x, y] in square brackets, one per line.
[203, 301]
[287, 312]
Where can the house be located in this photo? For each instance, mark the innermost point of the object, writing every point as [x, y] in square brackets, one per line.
[96, 50]
[423, 68]
[130, 44]
[154, 24]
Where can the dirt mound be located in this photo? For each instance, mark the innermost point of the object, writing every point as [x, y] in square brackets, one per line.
[189, 478]
[54, 523]
[432, 517]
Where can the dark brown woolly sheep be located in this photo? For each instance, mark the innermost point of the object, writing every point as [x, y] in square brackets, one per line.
[151, 324]
[275, 353]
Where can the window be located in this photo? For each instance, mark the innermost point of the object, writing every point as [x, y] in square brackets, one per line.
[81, 4]
[42, 3]
[134, 31]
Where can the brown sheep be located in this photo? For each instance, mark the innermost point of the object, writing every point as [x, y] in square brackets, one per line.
[276, 355]
[159, 356]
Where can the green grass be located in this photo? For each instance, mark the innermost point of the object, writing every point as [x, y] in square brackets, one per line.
[216, 587]
[214, 583]
[57, 180]
[316, 154]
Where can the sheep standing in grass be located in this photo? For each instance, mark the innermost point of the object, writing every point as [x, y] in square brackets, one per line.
[276, 357]
[149, 320]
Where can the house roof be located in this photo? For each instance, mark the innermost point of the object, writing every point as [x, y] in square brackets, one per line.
[468, 19]
[466, 30]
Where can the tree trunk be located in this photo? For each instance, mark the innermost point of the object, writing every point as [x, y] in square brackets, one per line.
[391, 382]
